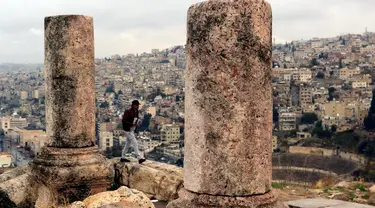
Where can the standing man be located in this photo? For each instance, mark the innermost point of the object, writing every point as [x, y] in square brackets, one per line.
[130, 123]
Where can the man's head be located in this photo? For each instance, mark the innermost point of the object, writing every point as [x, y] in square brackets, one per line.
[135, 104]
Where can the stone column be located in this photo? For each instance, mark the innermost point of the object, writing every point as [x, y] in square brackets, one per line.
[228, 106]
[70, 81]
[70, 158]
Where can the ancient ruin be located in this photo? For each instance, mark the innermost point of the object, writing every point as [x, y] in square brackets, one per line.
[70, 163]
[228, 107]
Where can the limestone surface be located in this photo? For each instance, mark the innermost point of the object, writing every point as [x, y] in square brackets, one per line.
[324, 203]
[123, 197]
[14, 172]
[372, 189]
[159, 181]
[70, 82]
[16, 188]
[228, 98]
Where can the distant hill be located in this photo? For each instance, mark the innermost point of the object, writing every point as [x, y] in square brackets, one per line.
[11, 67]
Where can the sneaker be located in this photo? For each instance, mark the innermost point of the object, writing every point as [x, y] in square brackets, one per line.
[140, 161]
[124, 160]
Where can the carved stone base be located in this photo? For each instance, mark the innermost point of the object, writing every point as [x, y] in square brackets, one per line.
[72, 173]
[193, 200]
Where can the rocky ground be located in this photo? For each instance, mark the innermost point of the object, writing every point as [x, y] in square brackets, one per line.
[358, 192]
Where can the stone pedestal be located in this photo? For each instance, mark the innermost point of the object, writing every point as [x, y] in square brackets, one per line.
[70, 164]
[228, 106]
[195, 200]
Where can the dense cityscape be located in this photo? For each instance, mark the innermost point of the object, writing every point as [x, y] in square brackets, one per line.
[322, 93]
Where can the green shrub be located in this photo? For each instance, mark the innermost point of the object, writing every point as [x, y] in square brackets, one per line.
[276, 185]
[352, 196]
[366, 196]
[360, 187]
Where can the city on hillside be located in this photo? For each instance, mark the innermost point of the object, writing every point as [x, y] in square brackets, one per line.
[322, 100]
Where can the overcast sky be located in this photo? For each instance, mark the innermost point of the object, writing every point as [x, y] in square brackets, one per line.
[136, 26]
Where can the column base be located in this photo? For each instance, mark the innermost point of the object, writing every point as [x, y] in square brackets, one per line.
[189, 199]
[72, 173]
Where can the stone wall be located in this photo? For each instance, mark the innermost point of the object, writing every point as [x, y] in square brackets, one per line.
[331, 164]
[292, 176]
[326, 152]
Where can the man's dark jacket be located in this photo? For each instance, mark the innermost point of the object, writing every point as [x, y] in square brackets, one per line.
[128, 118]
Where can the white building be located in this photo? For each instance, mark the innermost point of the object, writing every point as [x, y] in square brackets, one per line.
[287, 121]
[359, 84]
[105, 140]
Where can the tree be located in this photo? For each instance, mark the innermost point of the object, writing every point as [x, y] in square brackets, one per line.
[333, 128]
[372, 107]
[341, 65]
[366, 147]
[22, 114]
[369, 121]
[275, 114]
[110, 89]
[180, 162]
[320, 132]
[146, 122]
[314, 62]
[309, 118]
[320, 75]
[347, 140]
[331, 94]
[320, 55]
[104, 105]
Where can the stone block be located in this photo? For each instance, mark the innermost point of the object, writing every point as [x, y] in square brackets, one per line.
[123, 197]
[157, 180]
[17, 188]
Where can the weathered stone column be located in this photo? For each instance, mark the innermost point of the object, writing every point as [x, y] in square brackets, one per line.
[71, 162]
[228, 106]
[70, 81]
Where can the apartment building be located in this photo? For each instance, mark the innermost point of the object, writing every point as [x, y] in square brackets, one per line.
[11, 122]
[334, 109]
[346, 73]
[24, 95]
[305, 96]
[170, 133]
[36, 94]
[359, 84]
[287, 121]
[105, 140]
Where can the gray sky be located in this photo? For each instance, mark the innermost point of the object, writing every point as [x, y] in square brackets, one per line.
[135, 26]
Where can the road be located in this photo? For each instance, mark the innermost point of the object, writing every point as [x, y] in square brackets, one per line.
[19, 156]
